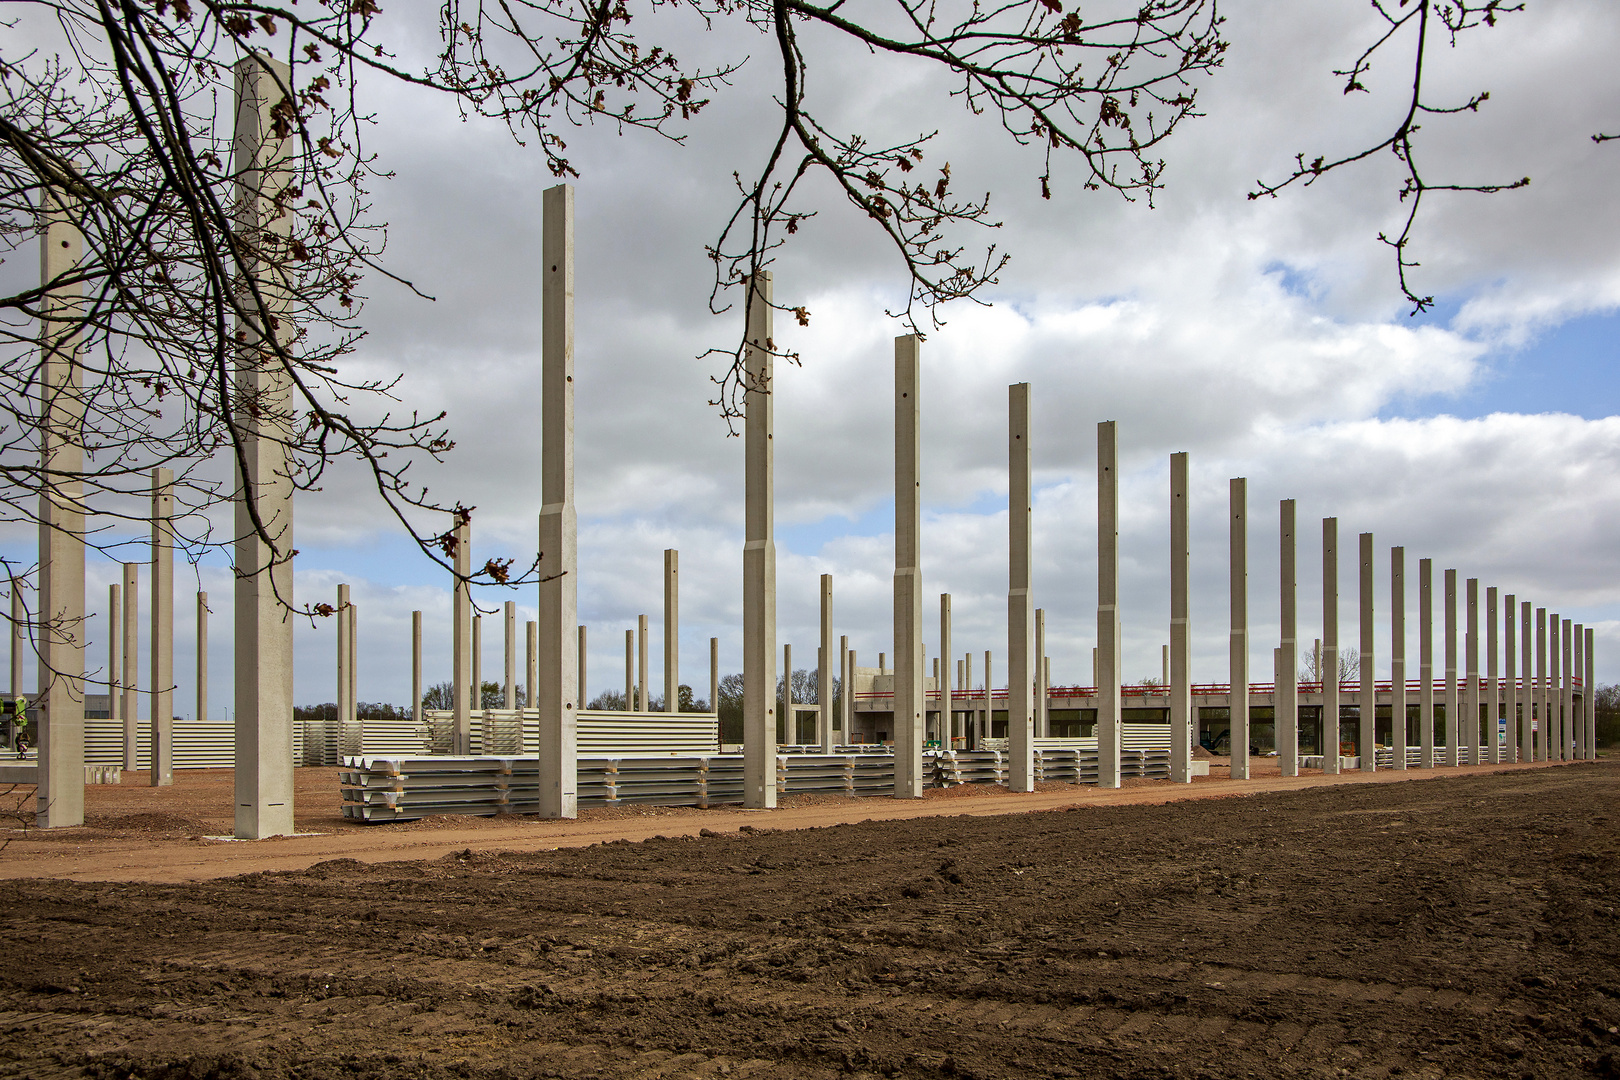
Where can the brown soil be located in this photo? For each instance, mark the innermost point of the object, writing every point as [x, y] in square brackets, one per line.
[1466, 924]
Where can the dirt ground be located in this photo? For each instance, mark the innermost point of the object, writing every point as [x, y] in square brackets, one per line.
[1459, 925]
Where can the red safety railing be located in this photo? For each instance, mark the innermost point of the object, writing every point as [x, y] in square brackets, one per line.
[1413, 686]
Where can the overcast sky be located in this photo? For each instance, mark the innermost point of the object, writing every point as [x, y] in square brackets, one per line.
[1267, 338]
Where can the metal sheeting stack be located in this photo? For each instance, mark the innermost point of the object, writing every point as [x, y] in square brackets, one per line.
[500, 732]
[838, 774]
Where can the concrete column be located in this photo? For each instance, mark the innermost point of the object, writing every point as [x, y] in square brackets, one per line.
[1397, 657]
[846, 688]
[714, 675]
[115, 648]
[629, 671]
[345, 712]
[1426, 664]
[1109, 732]
[1541, 684]
[1181, 715]
[132, 662]
[1453, 699]
[1022, 656]
[478, 664]
[643, 687]
[1367, 723]
[971, 728]
[1287, 709]
[1554, 693]
[354, 661]
[509, 650]
[1328, 665]
[947, 705]
[1567, 698]
[672, 631]
[461, 644]
[162, 726]
[1528, 737]
[759, 553]
[849, 698]
[1511, 750]
[1470, 707]
[557, 691]
[824, 676]
[1576, 712]
[1041, 725]
[531, 663]
[60, 638]
[202, 657]
[19, 638]
[987, 719]
[416, 666]
[263, 421]
[790, 722]
[908, 663]
[1493, 689]
[1238, 641]
[1589, 685]
[533, 670]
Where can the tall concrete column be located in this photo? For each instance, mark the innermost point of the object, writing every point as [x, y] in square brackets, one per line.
[1041, 725]
[263, 420]
[759, 552]
[1328, 666]
[132, 662]
[1109, 732]
[1238, 641]
[60, 624]
[477, 664]
[908, 662]
[509, 653]
[115, 650]
[947, 707]
[1528, 726]
[1022, 656]
[846, 688]
[202, 657]
[1454, 727]
[672, 631]
[1511, 750]
[1555, 712]
[1589, 685]
[1182, 727]
[1367, 720]
[970, 730]
[1576, 712]
[1470, 744]
[461, 644]
[714, 675]
[1493, 689]
[643, 687]
[1287, 709]
[19, 638]
[162, 729]
[345, 710]
[354, 661]
[416, 666]
[557, 692]
[790, 722]
[1541, 685]
[824, 676]
[1567, 698]
[533, 669]
[1426, 664]
[849, 698]
[531, 662]
[1397, 657]
[629, 671]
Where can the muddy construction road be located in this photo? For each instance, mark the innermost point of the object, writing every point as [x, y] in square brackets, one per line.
[1462, 926]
